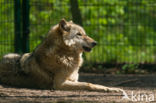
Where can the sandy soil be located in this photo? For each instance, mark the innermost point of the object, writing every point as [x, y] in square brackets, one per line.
[141, 88]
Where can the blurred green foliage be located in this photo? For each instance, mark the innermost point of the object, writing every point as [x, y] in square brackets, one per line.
[125, 29]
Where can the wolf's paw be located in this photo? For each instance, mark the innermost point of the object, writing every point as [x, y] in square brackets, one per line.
[100, 88]
[114, 90]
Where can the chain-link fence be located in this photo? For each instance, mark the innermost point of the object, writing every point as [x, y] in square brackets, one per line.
[6, 26]
[125, 29]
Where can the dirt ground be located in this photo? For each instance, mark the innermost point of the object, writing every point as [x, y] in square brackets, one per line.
[139, 88]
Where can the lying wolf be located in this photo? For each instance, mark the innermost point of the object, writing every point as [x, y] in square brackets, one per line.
[54, 64]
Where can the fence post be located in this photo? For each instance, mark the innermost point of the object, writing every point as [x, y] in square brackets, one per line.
[17, 23]
[76, 14]
[25, 26]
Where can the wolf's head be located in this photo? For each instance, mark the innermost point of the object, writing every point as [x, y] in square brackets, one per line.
[75, 37]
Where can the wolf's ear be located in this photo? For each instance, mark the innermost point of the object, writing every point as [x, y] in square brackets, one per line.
[64, 26]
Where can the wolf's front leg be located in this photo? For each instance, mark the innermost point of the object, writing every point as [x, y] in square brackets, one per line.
[69, 85]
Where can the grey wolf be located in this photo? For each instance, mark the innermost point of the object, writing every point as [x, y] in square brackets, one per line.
[54, 64]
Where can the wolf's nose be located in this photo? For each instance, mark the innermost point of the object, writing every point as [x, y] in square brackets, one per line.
[94, 43]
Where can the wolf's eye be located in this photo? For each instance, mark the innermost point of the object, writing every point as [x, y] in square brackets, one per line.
[79, 34]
